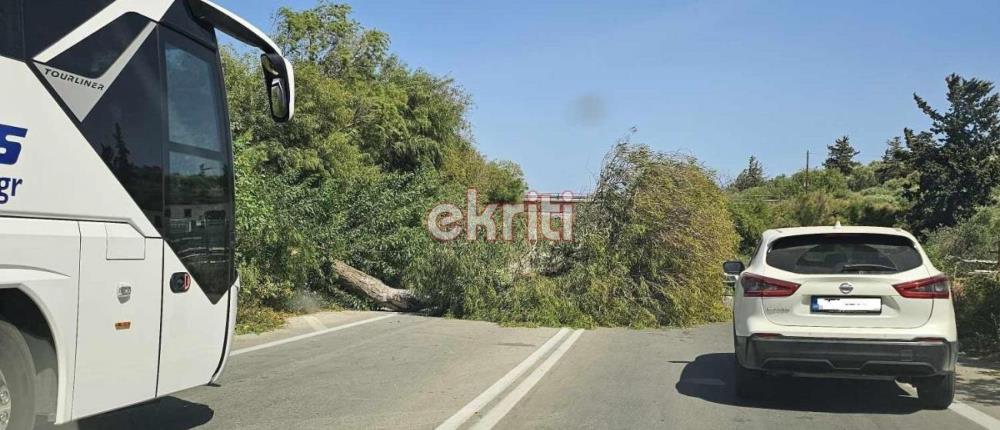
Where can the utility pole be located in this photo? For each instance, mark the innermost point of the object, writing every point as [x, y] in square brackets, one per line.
[807, 170]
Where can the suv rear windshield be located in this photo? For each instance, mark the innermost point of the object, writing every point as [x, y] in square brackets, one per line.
[844, 253]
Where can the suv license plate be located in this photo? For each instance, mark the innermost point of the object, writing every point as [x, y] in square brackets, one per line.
[847, 305]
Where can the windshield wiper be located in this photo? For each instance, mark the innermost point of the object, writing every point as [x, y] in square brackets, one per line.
[867, 268]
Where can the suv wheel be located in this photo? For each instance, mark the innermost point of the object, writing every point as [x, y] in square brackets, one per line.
[936, 392]
[17, 380]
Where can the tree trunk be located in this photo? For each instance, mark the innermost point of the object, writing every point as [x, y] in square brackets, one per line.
[361, 283]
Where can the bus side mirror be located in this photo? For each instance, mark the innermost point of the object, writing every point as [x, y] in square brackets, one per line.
[279, 82]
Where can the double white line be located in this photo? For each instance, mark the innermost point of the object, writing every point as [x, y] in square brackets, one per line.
[494, 415]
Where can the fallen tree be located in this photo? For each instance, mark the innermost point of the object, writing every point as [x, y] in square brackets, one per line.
[359, 282]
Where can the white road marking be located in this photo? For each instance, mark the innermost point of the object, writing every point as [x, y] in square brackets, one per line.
[498, 387]
[308, 335]
[501, 409]
[975, 415]
[314, 322]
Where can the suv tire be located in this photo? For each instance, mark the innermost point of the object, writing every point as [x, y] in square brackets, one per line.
[936, 392]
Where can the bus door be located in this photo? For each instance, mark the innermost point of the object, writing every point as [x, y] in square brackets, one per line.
[198, 257]
[118, 332]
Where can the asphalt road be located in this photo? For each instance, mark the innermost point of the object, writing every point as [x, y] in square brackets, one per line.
[375, 371]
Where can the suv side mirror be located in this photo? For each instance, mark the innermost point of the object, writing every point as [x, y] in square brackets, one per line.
[278, 82]
[733, 267]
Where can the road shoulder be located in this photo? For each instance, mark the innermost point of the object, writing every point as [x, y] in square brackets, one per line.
[303, 324]
[979, 384]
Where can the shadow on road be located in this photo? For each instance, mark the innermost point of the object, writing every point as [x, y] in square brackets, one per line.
[701, 377]
[168, 413]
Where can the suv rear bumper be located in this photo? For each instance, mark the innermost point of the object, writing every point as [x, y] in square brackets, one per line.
[798, 355]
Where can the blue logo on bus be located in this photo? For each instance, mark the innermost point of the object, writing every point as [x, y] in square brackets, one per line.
[10, 151]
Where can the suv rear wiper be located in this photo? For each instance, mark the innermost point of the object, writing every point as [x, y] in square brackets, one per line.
[867, 268]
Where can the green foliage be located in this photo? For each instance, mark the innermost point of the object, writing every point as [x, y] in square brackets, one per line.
[872, 210]
[977, 238]
[977, 311]
[350, 92]
[858, 199]
[751, 176]
[751, 217]
[261, 296]
[506, 182]
[499, 181]
[384, 230]
[352, 177]
[977, 297]
[815, 208]
[893, 165]
[285, 231]
[645, 254]
[958, 171]
[650, 243]
[841, 156]
[484, 281]
[783, 186]
[864, 176]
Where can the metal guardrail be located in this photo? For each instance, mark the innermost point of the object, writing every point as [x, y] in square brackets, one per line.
[729, 280]
[729, 283]
[728, 289]
[978, 267]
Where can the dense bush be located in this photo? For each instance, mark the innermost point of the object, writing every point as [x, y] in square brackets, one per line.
[649, 246]
[751, 217]
[646, 254]
[977, 297]
[977, 309]
[976, 238]
[465, 279]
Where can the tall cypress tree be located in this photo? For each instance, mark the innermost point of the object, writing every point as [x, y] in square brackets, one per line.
[958, 161]
[752, 176]
[841, 156]
[893, 160]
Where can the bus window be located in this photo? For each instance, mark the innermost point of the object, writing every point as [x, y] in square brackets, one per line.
[199, 174]
[125, 127]
[95, 54]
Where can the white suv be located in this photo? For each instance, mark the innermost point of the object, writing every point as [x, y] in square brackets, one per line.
[844, 301]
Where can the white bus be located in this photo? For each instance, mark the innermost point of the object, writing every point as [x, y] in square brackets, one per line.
[117, 279]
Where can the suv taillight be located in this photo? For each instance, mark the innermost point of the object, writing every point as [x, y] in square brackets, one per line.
[937, 287]
[762, 286]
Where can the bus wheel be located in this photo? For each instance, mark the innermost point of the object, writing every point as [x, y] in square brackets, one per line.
[17, 380]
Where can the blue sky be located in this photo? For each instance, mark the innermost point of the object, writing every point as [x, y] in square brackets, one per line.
[556, 83]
